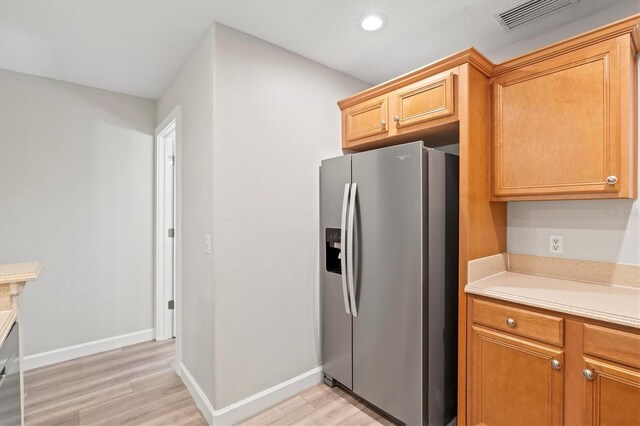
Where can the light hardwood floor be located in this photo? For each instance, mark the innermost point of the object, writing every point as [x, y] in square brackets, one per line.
[137, 385]
[321, 406]
[134, 385]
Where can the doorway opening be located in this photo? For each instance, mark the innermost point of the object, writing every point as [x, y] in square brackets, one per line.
[167, 256]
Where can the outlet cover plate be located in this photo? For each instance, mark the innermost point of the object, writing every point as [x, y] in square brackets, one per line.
[555, 244]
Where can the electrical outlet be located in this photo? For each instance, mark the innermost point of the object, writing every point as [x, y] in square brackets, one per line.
[555, 244]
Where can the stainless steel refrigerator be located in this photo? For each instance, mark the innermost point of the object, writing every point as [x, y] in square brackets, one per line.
[389, 279]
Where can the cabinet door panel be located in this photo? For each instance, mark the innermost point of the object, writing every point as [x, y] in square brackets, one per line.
[513, 382]
[556, 125]
[424, 101]
[367, 119]
[612, 397]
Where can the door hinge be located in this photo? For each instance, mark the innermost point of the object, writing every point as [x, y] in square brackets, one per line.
[171, 232]
[171, 304]
[172, 160]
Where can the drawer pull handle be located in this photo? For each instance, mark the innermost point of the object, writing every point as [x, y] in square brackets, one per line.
[555, 364]
[612, 180]
[511, 322]
[588, 374]
[396, 118]
[383, 123]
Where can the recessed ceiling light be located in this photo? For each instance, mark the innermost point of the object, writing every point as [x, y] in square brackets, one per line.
[373, 22]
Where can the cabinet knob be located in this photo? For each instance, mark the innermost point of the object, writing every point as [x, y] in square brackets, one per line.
[511, 322]
[588, 374]
[383, 123]
[612, 180]
[555, 364]
[396, 118]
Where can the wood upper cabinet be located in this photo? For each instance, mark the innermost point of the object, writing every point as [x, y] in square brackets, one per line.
[514, 381]
[563, 127]
[368, 119]
[423, 101]
[409, 112]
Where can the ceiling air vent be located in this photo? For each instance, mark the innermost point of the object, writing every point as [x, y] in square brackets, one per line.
[530, 10]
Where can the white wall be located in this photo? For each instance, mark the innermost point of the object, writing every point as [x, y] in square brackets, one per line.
[601, 230]
[192, 88]
[617, 11]
[276, 118]
[256, 122]
[76, 193]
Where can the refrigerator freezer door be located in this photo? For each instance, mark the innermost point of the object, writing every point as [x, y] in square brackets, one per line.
[337, 358]
[387, 334]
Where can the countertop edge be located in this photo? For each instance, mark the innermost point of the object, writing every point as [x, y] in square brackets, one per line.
[30, 272]
[567, 309]
[5, 326]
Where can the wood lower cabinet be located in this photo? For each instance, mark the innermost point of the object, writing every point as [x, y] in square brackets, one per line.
[611, 394]
[514, 381]
[611, 376]
[519, 376]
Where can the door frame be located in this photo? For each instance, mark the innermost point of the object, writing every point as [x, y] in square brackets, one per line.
[162, 314]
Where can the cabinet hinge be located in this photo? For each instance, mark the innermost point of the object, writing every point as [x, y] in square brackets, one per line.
[171, 304]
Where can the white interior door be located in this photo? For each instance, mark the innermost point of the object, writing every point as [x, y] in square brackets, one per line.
[165, 234]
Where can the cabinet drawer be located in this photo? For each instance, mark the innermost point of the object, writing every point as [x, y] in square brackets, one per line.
[612, 344]
[545, 328]
[367, 119]
[424, 101]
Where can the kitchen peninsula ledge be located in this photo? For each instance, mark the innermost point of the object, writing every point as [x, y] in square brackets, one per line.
[604, 302]
[13, 278]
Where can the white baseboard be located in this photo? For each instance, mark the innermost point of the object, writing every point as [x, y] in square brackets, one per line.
[84, 349]
[202, 402]
[252, 405]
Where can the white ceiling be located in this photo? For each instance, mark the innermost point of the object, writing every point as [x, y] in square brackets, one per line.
[137, 46]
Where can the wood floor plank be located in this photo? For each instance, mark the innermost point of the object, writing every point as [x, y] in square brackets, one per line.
[283, 413]
[126, 403]
[68, 419]
[334, 412]
[326, 407]
[319, 394]
[153, 380]
[101, 355]
[188, 415]
[96, 380]
[126, 359]
[55, 372]
[55, 405]
[144, 412]
[137, 385]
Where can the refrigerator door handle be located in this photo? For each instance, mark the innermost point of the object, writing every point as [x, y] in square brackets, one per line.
[350, 257]
[343, 245]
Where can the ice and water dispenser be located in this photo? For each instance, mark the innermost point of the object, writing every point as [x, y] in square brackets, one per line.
[333, 250]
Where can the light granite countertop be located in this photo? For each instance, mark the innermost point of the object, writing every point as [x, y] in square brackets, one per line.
[13, 277]
[7, 318]
[605, 302]
[19, 272]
